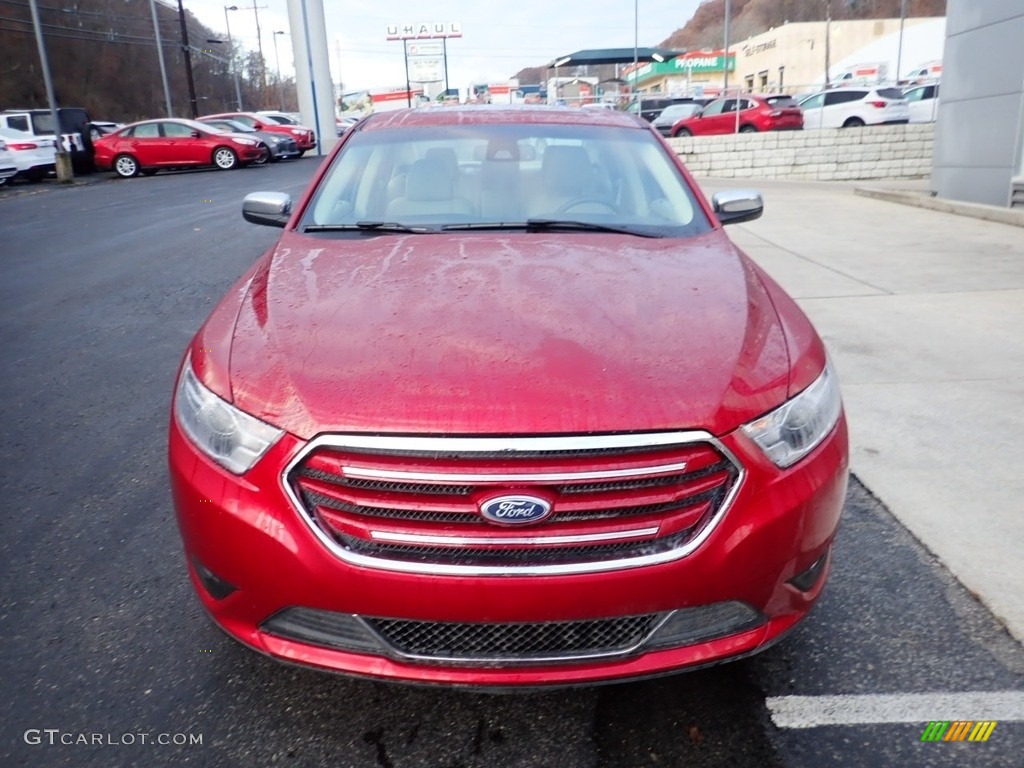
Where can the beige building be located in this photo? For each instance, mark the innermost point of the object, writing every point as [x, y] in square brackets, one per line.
[791, 58]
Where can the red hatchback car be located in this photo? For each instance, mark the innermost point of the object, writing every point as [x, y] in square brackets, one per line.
[304, 137]
[152, 145]
[756, 113]
[505, 407]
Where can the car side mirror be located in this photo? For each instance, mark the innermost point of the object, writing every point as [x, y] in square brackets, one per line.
[272, 209]
[736, 205]
[194, 134]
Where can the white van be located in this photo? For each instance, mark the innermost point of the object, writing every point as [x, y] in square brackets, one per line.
[871, 73]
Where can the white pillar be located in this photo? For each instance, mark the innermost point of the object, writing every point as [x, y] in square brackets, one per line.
[313, 70]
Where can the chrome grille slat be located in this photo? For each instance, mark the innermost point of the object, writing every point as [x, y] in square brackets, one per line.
[402, 512]
[469, 517]
[390, 487]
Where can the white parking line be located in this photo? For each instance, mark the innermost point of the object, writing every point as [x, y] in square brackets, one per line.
[814, 711]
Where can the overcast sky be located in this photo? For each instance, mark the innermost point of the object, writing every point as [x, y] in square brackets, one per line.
[500, 37]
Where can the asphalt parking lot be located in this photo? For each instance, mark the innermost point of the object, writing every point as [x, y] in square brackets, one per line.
[104, 283]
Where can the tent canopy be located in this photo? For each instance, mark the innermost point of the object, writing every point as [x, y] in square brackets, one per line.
[613, 56]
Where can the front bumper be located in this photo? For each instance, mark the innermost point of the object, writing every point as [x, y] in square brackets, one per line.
[265, 560]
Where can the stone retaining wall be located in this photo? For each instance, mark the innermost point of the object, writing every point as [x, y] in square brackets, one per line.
[833, 154]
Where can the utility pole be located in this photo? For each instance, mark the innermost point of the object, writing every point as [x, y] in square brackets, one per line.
[193, 105]
[65, 174]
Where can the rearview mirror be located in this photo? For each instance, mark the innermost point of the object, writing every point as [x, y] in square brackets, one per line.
[272, 209]
[736, 205]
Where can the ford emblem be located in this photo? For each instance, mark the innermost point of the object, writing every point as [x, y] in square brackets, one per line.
[515, 510]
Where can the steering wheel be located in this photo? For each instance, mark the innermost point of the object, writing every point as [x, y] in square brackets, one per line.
[578, 201]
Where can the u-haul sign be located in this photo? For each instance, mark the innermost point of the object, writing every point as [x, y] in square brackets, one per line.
[424, 30]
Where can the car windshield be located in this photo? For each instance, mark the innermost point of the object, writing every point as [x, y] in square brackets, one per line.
[280, 119]
[780, 102]
[42, 123]
[229, 126]
[504, 175]
[677, 112]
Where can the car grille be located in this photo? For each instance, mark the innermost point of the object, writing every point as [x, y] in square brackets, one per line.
[413, 504]
[454, 640]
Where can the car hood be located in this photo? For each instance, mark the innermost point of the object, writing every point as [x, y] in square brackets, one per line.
[514, 333]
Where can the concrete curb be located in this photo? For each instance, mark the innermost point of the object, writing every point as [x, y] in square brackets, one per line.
[1010, 216]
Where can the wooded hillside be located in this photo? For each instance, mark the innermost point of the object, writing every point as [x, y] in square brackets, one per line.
[103, 57]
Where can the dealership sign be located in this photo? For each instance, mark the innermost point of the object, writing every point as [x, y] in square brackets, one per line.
[426, 69]
[424, 30]
[425, 49]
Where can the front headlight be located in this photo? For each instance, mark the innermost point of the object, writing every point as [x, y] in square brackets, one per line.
[246, 142]
[798, 426]
[230, 437]
[297, 132]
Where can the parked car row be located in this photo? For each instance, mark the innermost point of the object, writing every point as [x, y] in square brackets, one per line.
[844, 107]
[226, 141]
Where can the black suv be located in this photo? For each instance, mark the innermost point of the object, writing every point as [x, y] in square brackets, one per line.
[650, 107]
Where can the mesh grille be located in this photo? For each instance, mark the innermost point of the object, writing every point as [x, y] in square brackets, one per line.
[513, 556]
[517, 642]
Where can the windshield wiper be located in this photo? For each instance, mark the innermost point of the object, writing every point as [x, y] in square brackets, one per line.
[534, 225]
[368, 226]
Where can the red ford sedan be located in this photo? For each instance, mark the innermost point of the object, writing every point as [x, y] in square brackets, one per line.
[756, 113]
[505, 407]
[152, 145]
[304, 137]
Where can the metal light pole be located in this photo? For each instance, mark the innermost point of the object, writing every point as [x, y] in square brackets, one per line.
[234, 65]
[828, 42]
[899, 50]
[636, 57]
[160, 55]
[65, 173]
[188, 62]
[280, 85]
[408, 85]
[259, 38]
[725, 63]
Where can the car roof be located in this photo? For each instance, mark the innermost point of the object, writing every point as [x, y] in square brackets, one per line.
[232, 114]
[490, 114]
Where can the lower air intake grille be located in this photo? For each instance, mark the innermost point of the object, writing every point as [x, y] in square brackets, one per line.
[519, 642]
